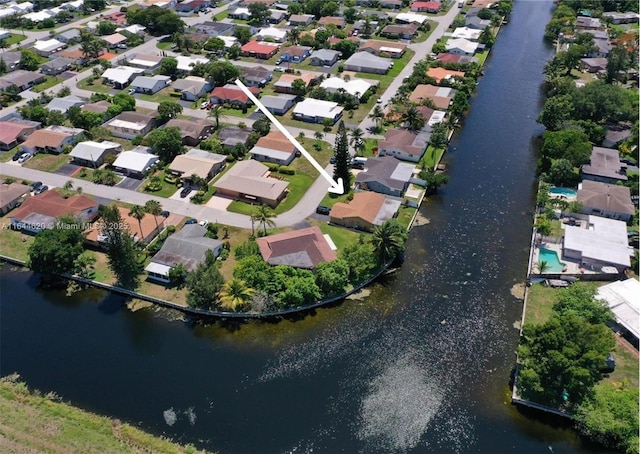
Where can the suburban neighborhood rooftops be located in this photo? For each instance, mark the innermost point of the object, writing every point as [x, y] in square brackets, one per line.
[134, 160]
[383, 46]
[468, 47]
[259, 47]
[440, 74]
[277, 101]
[622, 298]
[394, 173]
[121, 74]
[355, 87]
[196, 162]
[10, 132]
[605, 240]
[286, 80]
[440, 96]
[149, 82]
[64, 104]
[605, 197]
[275, 140]
[409, 142]
[304, 248]
[231, 92]
[365, 59]
[311, 107]
[90, 151]
[411, 17]
[196, 128]
[186, 63]
[43, 138]
[131, 120]
[372, 207]
[605, 162]
[187, 246]
[248, 177]
[51, 205]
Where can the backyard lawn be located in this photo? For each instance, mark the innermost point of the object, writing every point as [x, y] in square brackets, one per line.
[47, 162]
[432, 157]
[92, 84]
[341, 236]
[48, 83]
[166, 189]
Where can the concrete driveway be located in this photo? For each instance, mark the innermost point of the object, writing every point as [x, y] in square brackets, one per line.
[130, 183]
[219, 202]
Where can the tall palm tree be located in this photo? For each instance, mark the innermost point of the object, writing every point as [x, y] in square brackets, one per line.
[377, 115]
[412, 118]
[263, 215]
[137, 212]
[543, 267]
[294, 35]
[318, 135]
[235, 294]
[66, 189]
[388, 239]
[216, 114]
[154, 208]
[357, 139]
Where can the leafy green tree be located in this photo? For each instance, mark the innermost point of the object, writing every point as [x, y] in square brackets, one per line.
[177, 275]
[29, 60]
[214, 44]
[125, 101]
[357, 140]
[235, 295]
[168, 110]
[204, 283]
[106, 28]
[299, 87]
[412, 118]
[55, 250]
[233, 53]
[438, 137]
[158, 21]
[299, 289]
[247, 248]
[599, 101]
[256, 273]
[258, 13]
[262, 126]
[121, 250]
[329, 9]
[332, 277]
[350, 14]
[294, 8]
[487, 38]
[243, 34]
[90, 44]
[55, 117]
[361, 260]
[389, 239]
[433, 180]
[377, 115]
[562, 173]
[222, 72]
[84, 119]
[556, 112]
[580, 300]
[342, 167]
[346, 47]
[568, 144]
[543, 226]
[562, 357]
[166, 143]
[169, 67]
[264, 215]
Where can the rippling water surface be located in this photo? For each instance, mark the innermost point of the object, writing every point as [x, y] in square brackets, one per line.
[421, 365]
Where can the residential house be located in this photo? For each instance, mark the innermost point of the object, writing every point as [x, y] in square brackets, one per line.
[461, 46]
[56, 66]
[256, 76]
[65, 103]
[192, 131]
[360, 26]
[12, 195]
[446, 57]
[278, 104]
[11, 59]
[192, 6]
[301, 20]
[277, 16]
[121, 76]
[46, 47]
[365, 211]
[143, 230]
[192, 88]
[135, 163]
[51, 140]
[76, 55]
[594, 65]
[324, 57]
[257, 49]
[616, 134]
[400, 31]
[129, 125]
[92, 154]
[150, 84]
[21, 79]
[602, 48]
[391, 4]
[117, 17]
[587, 23]
[240, 14]
[197, 162]
[100, 107]
[42, 211]
[404, 144]
[14, 131]
[622, 299]
[426, 7]
[249, 2]
[114, 40]
[622, 18]
[285, 83]
[411, 18]
[317, 111]
[468, 33]
[275, 148]
[69, 36]
[383, 48]
[303, 248]
[440, 74]
[604, 166]
[230, 136]
[133, 29]
[232, 94]
[215, 29]
[148, 63]
[295, 54]
[186, 63]
[337, 21]
[354, 87]
[367, 63]
[441, 97]
[604, 243]
[606, 200]
[187, 247]
[273, 34]
[385, 175]
[249, 181]
[475, 22]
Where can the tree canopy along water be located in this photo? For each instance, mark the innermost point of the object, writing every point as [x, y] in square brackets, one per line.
[420, 365]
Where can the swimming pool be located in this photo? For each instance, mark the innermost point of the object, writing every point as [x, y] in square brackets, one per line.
[563, 191]
[554, 265]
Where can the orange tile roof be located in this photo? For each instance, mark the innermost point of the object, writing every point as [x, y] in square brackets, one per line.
[440, 73]
[304, 248]
[45, 138]
[287, 79]
[275, 140]
[51, 203]
[365, 205]
[148, 225]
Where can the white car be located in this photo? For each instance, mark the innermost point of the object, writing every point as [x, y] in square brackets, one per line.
[279, 69]
[203, 223]
[204, 104]
[379, 101]
[23, 157]
[131, 91]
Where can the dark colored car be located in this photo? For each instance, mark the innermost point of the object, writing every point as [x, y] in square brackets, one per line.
[35, 185]
[17, 155]
[41, 189]
[323, 209]
[164, 214]
[333, 159]
[191, 221]
[185, 192]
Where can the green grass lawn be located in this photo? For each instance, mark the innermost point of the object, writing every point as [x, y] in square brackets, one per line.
[48, 83]
[482, 56]
[369, 146]
[14, 243]
[330, 199]
[223, 15]
[229, 112]
[6, 156]
[47, 162]
[92, 84]
[341, 236]
[167, 189]
[161, 96]
[432, 157]
[405, 214]
[164, 45]
[14, 39]
[423, 35]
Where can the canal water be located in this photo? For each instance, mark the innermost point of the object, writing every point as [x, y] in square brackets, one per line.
[421, 365]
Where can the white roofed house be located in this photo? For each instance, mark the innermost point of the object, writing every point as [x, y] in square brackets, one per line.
[623, 298]
[278, 104]
[121, 76]
[186, 63]
[134, 163]
[47, 47]
[129, 125]
[192, 88]
[602, 244]
[354, 87]
[276, 34]
[471, 34]
[367, 63]
[274, 147]
[197, 162]
[92, 154]
[64, 104]
[317, 111]
[148, 63]
[461, 46]
[150, 84]
[114, 40]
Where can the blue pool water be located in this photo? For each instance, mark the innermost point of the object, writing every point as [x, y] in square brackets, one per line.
[554, 264]
[563, 191]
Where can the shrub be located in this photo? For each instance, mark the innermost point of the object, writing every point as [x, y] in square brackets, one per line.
[171, 228]
[176, 94]
[272, 166]
[286, 170]
[224, 255]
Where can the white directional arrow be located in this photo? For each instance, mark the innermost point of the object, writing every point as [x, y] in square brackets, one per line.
[336, 187]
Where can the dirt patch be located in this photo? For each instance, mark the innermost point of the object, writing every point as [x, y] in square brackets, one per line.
[420, 220]
[518, 291]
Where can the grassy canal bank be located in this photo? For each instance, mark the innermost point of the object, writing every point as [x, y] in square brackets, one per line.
[32, 422]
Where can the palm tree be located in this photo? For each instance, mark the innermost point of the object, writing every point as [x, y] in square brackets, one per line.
[216, 113]
[154, 208]
[137, 212]
[388, 239]
[235, 294]
[318, 135]
[66, 189]
[263, 215]
[377, 115]
[294, 35]
[412, 118]
[357, 139]
[543, 266]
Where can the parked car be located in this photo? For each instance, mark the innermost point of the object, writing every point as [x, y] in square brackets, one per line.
[379, 100]
[35, 185]
[41, 189]
[185, 192]
[164, 214]
[333, 159]
[131, 91]
[122, 46]
[204, 104]
[23, 157]
[203, 223]
[278, 61]
[279, 69]
[17, 155]
[323, 210]
[191, 221]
